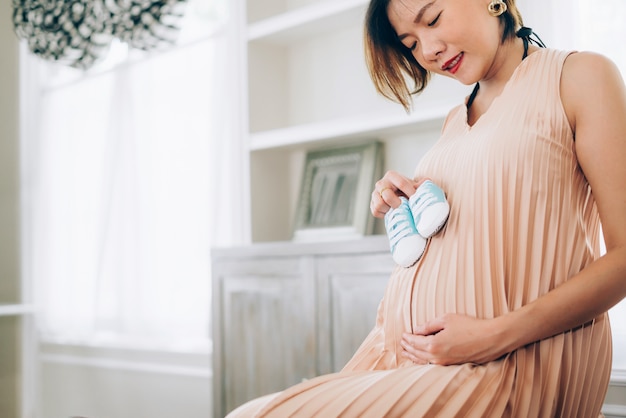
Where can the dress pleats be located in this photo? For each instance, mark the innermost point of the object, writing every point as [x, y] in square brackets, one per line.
[522, 222]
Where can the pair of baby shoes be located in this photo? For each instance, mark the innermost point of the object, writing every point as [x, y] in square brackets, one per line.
[416, 219]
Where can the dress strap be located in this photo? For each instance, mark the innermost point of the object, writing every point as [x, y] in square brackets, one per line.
[526, 34]
[472, 96]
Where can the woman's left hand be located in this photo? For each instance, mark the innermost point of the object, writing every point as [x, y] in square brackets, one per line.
[454, 339]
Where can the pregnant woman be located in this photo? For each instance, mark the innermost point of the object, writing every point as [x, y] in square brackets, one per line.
[505, 313]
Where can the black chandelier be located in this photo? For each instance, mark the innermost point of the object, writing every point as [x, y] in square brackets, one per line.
[79, 32]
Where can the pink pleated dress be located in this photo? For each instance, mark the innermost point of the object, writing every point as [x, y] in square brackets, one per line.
[522, 221]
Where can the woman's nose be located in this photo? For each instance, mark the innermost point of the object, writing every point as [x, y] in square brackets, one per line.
[432, 48]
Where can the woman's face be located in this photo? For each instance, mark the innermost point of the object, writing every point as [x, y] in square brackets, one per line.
[455, 38]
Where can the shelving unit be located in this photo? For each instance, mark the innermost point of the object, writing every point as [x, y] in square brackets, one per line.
[308, 88]
[306, 21]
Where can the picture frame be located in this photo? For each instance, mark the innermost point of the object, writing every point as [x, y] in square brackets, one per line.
[335, 192]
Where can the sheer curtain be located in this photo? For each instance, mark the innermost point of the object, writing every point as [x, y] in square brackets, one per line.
[595, 26]
[125, 175]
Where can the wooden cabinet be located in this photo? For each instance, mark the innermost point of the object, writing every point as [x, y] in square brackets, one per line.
[265, 325]
[283, 312]
[350, 287]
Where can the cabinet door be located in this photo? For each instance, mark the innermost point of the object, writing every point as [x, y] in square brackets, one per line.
[350, 289]
[266, 337]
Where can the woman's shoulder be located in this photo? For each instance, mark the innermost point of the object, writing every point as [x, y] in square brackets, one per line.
[588, 64]
[586, 79]
[580, 69]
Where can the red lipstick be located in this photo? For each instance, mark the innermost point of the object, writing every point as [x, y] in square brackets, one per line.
[453, 64]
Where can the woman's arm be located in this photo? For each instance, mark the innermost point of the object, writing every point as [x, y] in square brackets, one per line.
[594, 98]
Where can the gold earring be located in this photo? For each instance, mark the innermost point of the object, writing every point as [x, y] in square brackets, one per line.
[497, 7]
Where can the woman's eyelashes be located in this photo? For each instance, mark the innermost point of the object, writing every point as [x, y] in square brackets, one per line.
[432, 23]
[435, 20]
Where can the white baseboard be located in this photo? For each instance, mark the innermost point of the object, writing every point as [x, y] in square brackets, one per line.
[614, 411]
[136, 360]
[618, 378]
[116, 364]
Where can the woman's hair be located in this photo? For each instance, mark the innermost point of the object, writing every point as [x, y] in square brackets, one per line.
[392, 66]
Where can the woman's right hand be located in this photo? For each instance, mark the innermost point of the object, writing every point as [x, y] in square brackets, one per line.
[387, 192]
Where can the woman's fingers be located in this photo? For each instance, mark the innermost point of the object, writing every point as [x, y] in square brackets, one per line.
[412, 350]
[431, 327]
[387, 191]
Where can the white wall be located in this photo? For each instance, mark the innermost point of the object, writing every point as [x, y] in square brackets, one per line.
[9, 159]
[96, 382]
[9, 214]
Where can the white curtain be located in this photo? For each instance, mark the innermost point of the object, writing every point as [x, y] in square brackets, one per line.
[125, 175]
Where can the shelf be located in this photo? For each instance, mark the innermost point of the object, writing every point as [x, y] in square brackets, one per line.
[18, 309]
[362, 245]
[308, 20]
[349, 128]
[308, 87]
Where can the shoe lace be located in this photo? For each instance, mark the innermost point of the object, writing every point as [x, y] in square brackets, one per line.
[399, 225]
[424, 200]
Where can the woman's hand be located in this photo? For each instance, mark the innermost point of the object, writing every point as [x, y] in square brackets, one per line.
[455, 339]
[387, 191]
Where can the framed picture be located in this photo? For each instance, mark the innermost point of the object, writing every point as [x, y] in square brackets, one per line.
[335, 192]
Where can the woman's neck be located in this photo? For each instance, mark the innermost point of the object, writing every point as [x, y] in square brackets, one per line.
[508, 57]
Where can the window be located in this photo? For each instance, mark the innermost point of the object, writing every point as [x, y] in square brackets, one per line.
[121, 188]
